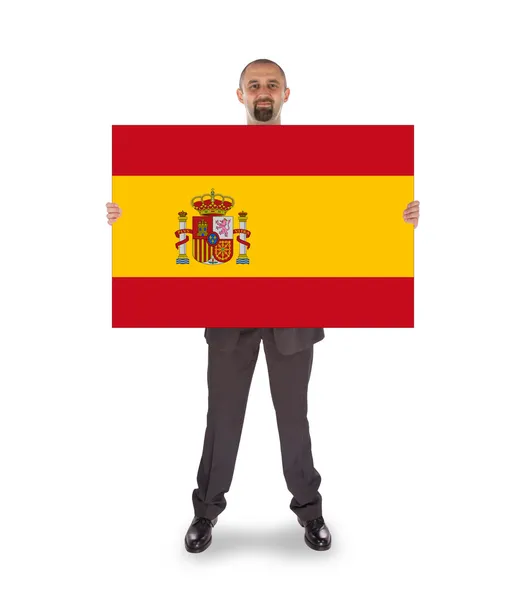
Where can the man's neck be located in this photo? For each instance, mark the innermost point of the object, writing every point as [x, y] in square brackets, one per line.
[254, 122]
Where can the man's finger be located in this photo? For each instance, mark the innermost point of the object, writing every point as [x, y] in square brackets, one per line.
[411, 211]
[414, 203]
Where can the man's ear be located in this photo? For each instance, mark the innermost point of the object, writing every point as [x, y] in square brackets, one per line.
[240, 96]
[286, 96]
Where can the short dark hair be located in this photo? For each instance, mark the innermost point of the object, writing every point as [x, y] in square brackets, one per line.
[260, 61]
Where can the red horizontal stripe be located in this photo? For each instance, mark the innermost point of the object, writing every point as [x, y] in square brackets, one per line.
[271, 150]
[262, 302]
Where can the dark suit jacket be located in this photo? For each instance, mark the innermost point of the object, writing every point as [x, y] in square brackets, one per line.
[288, 339]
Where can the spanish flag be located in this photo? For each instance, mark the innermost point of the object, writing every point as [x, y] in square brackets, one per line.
[262, 226]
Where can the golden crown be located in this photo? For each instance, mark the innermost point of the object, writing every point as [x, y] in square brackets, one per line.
[212, 204]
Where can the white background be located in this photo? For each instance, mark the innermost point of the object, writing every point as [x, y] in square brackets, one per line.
[419, 434]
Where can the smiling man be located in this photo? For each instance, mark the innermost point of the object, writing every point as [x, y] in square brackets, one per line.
[232, 357]
[263, 90]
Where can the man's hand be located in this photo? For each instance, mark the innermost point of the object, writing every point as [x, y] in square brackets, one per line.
[412, 212]
[114, 212]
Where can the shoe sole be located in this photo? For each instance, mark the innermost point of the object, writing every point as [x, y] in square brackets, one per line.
[197, 550]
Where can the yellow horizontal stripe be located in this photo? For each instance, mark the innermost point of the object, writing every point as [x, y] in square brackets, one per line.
[301, 226]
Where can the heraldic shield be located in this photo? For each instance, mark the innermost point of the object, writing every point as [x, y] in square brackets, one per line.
[213, 239]
[213, 232]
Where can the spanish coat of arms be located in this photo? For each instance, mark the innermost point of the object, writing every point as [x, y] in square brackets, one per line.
[213, 232]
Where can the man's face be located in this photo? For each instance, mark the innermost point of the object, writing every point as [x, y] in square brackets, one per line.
[263, 93]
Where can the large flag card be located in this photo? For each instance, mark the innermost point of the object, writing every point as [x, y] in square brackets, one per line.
[262, 226]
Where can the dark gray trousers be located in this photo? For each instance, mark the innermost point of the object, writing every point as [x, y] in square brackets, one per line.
[229, 378]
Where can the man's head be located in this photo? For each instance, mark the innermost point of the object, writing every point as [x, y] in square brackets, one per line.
[263, 90]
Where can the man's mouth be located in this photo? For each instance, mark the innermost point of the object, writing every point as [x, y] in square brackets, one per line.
[264, 103]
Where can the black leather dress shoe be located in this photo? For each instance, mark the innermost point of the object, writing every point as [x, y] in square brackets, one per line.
[199, 534]
[317, 534]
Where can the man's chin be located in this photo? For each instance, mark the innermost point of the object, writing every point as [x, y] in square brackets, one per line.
[263, 115]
